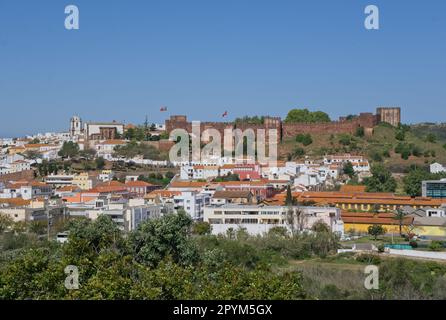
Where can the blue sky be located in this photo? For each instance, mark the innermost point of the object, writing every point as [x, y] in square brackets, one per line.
[202, 57]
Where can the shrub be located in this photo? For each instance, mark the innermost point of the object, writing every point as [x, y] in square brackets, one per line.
[432, 138]
[413, 244]
[345, 139]
[436, 246]
[299, 152]
[368, 258]
[305, 139]
[359, 132]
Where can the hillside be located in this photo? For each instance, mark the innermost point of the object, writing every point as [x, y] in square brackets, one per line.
[423, 129]
[380, 147]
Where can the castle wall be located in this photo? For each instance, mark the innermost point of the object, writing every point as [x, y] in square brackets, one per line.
[284, 130]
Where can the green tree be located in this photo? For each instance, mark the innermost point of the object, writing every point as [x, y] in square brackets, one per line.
[88, 154]
[432, 138]
[348, 169]
[304, 115]
[399, 215]
[345, 139]
[5, 222]
[201, 228]
[158, 238]
[100, 163]
[289, 200]
[69, 150]
[360, 132]
[413, 181]
[320, 226]
[381, 180]
[376, 230]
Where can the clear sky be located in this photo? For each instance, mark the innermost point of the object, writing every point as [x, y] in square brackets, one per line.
[203, 57]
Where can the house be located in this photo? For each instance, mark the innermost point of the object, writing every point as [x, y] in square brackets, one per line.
[128, 215]
[437, 168]
[359, 222]
[342, 159]
[260, 189]
[235, 197]
[192, 202]
[27, 190]
[187, 186]
[106, 148]
[140, 188]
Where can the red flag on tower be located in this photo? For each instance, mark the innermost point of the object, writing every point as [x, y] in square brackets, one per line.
[163, 109]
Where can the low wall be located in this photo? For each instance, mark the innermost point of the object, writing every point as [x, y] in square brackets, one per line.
[252, 229]
[418, 254]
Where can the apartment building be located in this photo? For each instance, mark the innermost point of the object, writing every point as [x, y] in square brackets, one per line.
[259, 219]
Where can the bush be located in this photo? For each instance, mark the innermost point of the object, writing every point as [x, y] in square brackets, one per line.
[359, 132]
[345, 139]
[305, 139]
[436, 246]
[369, 258]
[413, 244]
[299, 152]
[432, 138]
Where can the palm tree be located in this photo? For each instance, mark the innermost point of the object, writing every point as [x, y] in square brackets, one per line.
[400, 215]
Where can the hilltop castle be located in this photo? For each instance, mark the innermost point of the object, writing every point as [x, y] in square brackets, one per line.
[285, 130]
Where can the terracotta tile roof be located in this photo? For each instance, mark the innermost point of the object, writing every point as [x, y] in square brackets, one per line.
[68, 188]
[231, 194]
[113, 142]
[16, 202]
[360, 198]
[349, 188]
[188, 184]
[245, 183]
[162, 194]
[112, 183]
[138, 184]
[107, 189]
[376, 220]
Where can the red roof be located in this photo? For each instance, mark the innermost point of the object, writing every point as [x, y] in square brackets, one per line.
[138, 183]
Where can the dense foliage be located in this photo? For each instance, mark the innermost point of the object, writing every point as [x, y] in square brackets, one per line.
[160, 260]
[381, 180]
[133, 149]
[306, 116]
[413, 180]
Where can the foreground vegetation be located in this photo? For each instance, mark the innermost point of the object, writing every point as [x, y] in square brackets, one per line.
[174, 258]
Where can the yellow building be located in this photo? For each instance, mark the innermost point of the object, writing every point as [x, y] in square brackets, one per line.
[430, 226]
[82, 181]
[361, 221]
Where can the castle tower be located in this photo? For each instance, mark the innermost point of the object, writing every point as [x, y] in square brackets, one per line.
[390, 115]
[75, 126]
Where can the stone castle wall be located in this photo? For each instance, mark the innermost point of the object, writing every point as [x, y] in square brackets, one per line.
[285, 130]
